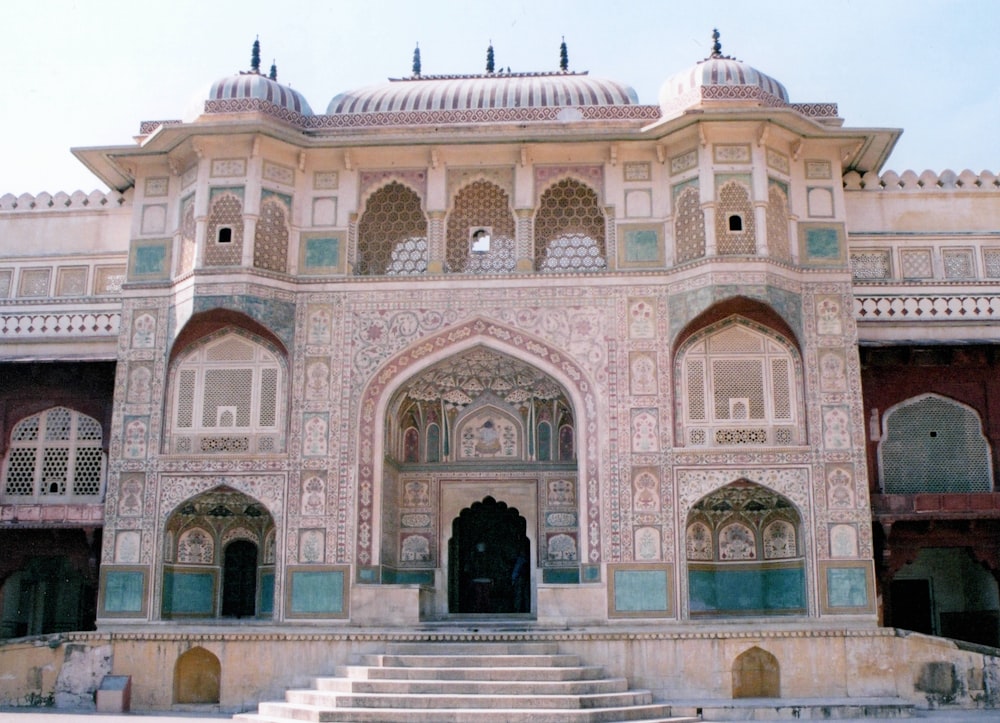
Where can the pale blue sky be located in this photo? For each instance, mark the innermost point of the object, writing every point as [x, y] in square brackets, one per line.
[85, 73]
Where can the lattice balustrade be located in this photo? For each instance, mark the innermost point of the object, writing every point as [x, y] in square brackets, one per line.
[392, 233]
[270, 244]
[689, 226]
[569, 229]
[734, 200]
[55, 456]
[485, 204]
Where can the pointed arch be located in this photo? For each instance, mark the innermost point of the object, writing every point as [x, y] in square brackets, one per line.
[389, 377]
[751, 568]
[226, 394]
[738, 383]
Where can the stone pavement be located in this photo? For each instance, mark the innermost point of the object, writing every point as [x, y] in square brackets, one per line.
[51, 715]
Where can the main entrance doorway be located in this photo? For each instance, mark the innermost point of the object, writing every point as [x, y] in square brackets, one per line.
[489, 560]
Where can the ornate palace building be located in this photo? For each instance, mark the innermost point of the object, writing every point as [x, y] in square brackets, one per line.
[511, 353]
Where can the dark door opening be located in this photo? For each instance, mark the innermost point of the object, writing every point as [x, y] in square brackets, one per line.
[489, 560]
[239, 580]
[911, 606]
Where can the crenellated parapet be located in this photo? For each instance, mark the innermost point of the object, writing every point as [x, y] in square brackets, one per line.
[910, 181]
[61, 201]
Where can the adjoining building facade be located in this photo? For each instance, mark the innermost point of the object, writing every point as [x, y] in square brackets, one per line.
[510, 348]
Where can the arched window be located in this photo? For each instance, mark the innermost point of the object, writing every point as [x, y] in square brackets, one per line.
[689, 224]
[933, 444]
[739, 388]
[225, 398]
[55, 456]
[734, 221]
[392, 233]
[569, 229]
[481, 231]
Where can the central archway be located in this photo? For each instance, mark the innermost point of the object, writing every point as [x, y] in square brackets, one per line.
[489, 560]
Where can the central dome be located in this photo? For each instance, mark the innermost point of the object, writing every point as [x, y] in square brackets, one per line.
[473, 92]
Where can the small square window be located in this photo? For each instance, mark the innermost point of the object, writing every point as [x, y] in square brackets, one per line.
[224, 235]
[479, 239]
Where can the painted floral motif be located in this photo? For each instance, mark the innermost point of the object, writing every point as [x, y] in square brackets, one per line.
[642, 319]
[196, 546]
[736, 542]
[314, 436]
[779, 540]
[836, 428]
[135, 439]
[698, 542]
[311, 544]
[144, 332]
[645, 431]
[313, 496]
[647, 544]
[642, 374]
[646, 497]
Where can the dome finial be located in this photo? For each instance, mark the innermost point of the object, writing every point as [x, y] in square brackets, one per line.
[255, 56]
[716, 45]
[489, 58]
[273, 75]
[416, 61]
[563, 56]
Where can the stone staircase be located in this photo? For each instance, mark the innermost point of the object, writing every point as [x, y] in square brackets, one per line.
[458, 682]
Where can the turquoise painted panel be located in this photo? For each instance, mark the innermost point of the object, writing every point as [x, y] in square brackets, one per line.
[188, 593]
[590, 573]
[123, 591]
[266, 605]
[317, 592]
[641, 591]
[150, 260]
[322, 252]
[642, 245]
[822, 243]
[746, 591]
[561, 576]
[368, 574]
[408, 577]
[846, 587]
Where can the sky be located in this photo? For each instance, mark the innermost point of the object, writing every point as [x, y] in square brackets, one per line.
[87, 72]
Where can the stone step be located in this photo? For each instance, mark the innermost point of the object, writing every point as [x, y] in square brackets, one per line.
[461, 647]
[544, 673]
[531, 686]
[483, 660]
[285, 712]
[423, 701]
[775, 709]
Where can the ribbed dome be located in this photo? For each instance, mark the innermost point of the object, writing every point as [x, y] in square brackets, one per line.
[471, 92]
[255, 86]
[720, 78]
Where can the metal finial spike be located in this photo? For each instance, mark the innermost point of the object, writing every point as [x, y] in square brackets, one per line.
[416, 60]
[563, 56]
[255, 56]
[489, 58]
[716, 45]
[273, 75]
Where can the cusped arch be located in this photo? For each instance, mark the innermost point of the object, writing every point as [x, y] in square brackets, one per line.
[390, 376]
[932, 443]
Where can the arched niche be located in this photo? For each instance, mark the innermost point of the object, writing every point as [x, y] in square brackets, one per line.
[745, 554]
[197, 674]
[218, 558]
[756, 674]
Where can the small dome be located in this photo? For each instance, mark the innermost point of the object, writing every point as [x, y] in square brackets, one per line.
[252, 85]
[475, 92]
[720, 78]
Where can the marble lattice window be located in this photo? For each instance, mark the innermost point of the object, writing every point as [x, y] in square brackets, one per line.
[55, 456]
[569, 229]
[392, 233]
[225, 398]
[479, 207]
[738, 389]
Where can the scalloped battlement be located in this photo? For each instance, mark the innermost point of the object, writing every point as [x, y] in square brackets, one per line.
[909, 181]
[61, 201]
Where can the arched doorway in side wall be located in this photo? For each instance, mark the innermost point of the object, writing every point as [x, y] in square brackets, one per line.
[489, 560]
